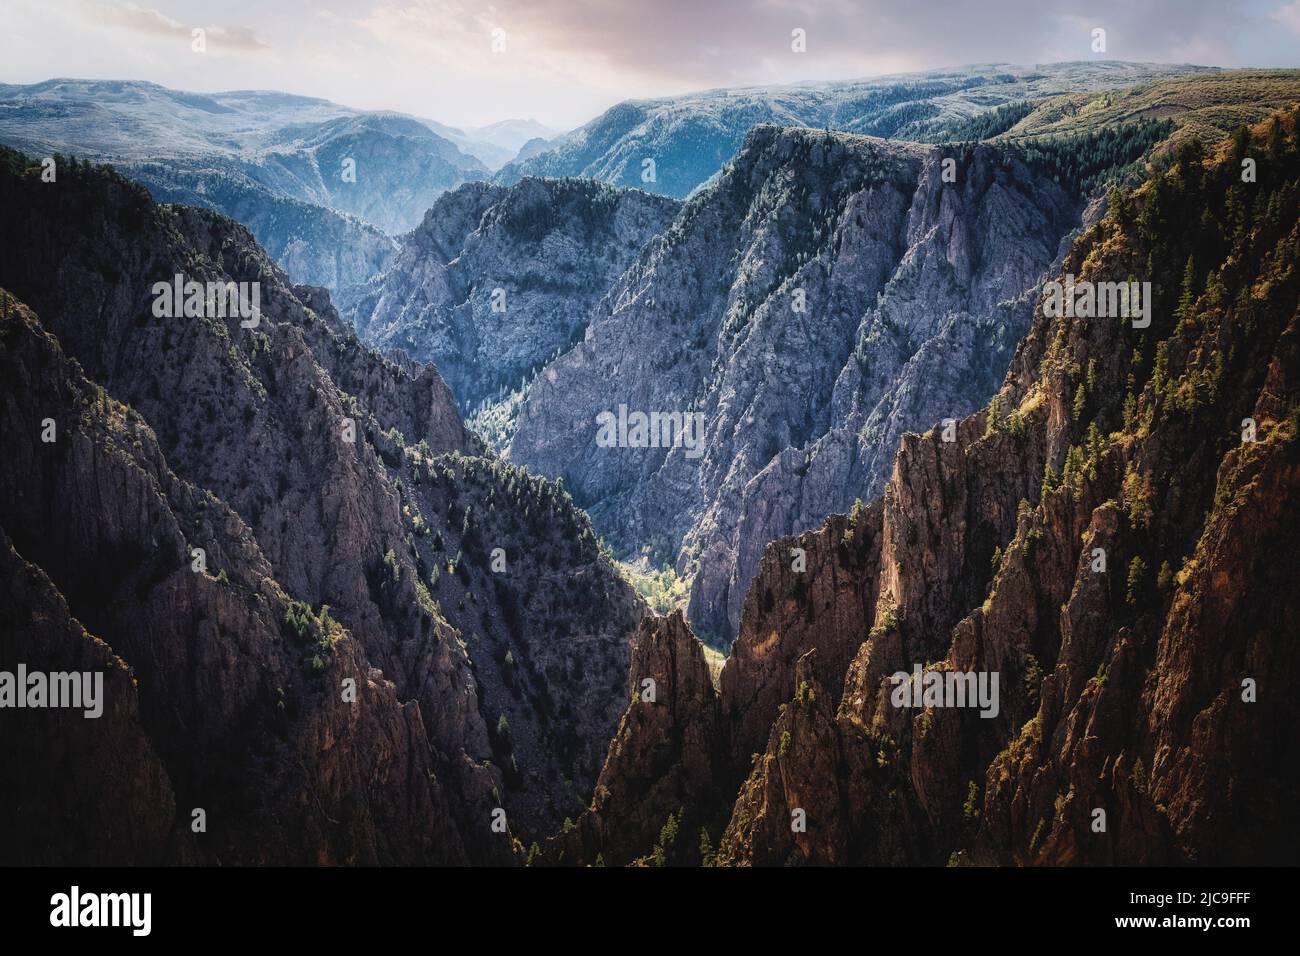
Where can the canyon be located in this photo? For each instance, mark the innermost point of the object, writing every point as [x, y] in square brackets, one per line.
[355, 576]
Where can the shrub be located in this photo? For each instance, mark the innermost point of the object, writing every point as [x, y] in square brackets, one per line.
[1137, 572]
[1037, 839]
[1139, 776]
[971, 808]
[1033, 679]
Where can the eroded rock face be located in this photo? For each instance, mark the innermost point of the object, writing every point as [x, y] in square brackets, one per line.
[666, 758]
[130, 816]
[795, 780]
[317, 446]
[211, 701]
[1092, 661]
[813, 592]
[1104, 538]
[864, 295]
[314, 244]
[497, 281]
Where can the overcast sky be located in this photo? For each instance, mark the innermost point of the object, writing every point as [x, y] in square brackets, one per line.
[564, 61]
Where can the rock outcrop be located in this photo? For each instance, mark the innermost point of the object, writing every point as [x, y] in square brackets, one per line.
[1109, 539]
[867, 292]
[221, 693]
[498, 281]
[666, 766]
[314, 443]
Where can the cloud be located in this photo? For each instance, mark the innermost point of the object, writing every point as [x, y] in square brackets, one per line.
[567, 60]
[154, 23]
[672, 45]
[1289, 16]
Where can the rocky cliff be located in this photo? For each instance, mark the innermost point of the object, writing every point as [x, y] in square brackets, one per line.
[498, 281]
[866, 288]
[309, 443]
[315, 244]
[1110, 537]
[222, 693]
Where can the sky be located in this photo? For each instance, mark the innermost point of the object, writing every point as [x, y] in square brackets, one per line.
[562, 62]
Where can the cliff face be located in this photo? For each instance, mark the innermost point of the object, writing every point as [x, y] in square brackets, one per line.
[872, 287]
[666, 766]
[130, 817]
[497, 281]
[312, 443]
[214, 699]
[1110, 538]
[314, 244]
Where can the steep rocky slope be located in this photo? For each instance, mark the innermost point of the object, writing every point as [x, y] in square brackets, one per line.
[259, 418]
[314, 244]
[214, 699]
[863, 295]
[1109, 537]
[665, 760]
[497, 281]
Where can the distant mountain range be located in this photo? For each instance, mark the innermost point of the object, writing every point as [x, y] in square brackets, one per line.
[318, 183]
[688, 138]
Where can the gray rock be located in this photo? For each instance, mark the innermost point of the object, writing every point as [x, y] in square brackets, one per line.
[914, 291]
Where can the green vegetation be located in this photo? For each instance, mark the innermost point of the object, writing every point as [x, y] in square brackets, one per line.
[1039, 832]
[1137, 498]
[661, 587]
[667, 837]
[1137, 572]
[971, 808]
[1165, 577]
[856, 514]
[888, 622]
[1207, 105]
[1139, 776]
[1033, 679]
[1083, 162]
[988, 124]
[707, 856]
[1051, 480]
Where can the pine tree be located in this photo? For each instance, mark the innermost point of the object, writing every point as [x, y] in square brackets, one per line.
[707, 857]
[1187, 298]
[1051, 480]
